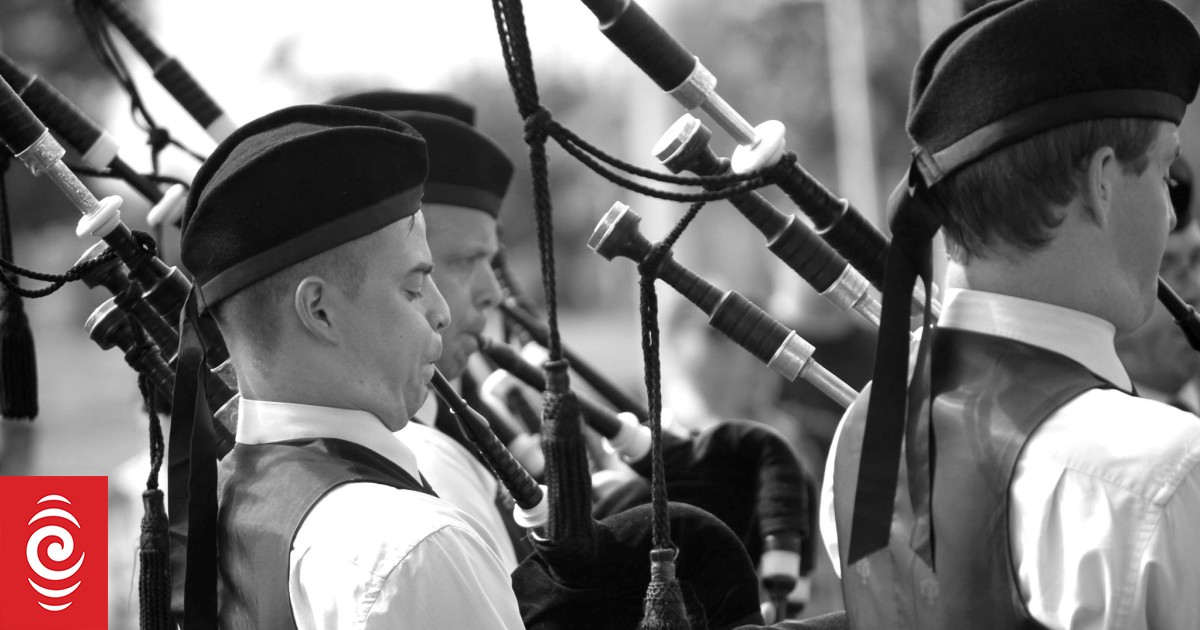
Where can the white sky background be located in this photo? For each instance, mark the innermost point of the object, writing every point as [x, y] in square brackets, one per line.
[233, 48]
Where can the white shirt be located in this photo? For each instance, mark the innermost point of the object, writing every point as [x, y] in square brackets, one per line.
[458, 478]
[372, 556]
[1105, 499]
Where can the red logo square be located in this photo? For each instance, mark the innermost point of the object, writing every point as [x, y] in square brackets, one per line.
[54, 553]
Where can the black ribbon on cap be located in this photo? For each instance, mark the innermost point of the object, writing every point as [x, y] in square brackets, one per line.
[909, 256]
[192, 482]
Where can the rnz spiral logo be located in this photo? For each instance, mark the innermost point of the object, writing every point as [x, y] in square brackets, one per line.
[60, 551]
[57, 531]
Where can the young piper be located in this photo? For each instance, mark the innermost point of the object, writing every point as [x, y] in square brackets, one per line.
[1035, 489]
[468, 177]
[304, 233]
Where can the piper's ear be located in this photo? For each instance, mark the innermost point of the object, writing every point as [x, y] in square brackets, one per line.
[1099, 183]
[312, 301]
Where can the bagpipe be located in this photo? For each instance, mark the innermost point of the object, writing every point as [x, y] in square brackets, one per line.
[577, 556]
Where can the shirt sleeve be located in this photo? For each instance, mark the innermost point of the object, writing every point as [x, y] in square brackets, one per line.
[1104, 502]
[369, 556]
[1168, 581]
[450, 580]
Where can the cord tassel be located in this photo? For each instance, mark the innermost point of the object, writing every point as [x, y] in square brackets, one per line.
[154, 556]
[664, 609]
[567, 476]
[154, 549]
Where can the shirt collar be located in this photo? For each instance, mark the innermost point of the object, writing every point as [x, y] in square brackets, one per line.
[262, 422]
[1081, 337]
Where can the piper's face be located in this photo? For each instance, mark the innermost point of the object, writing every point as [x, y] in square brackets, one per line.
[463, 242]
[1157, 354]
[1141, 219]
[392, 329]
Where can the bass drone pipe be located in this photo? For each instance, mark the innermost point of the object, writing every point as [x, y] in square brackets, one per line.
[729, 312]
[680, 74]
[532, 510]
[684, 147]
[169, 72]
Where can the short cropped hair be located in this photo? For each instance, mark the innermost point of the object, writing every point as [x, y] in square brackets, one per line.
[1013, 196]
[251, 313]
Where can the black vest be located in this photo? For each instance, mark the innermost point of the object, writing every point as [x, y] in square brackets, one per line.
[989, 394]
[266, 490]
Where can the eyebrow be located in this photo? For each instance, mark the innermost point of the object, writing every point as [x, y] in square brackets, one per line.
[422, 268]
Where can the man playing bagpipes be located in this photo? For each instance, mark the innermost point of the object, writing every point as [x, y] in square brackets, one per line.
[304, 233]
[1035, 488]
[468, 177]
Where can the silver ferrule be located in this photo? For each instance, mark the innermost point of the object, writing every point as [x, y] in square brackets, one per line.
[69, 184]
[44, 153]
[828, 383]
[791, 356]
[852, 291]
[697, 88]
[700, 90]
[45, 156]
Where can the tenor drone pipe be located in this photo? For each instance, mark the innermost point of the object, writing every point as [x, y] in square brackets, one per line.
[678, 72]
[603, 386]
[685, 146]
[729, 312]
[169, 72]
